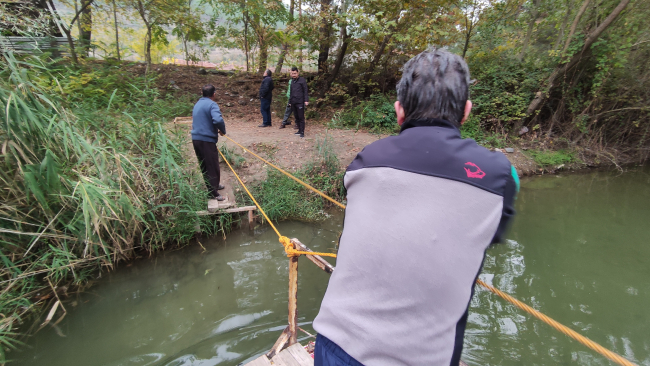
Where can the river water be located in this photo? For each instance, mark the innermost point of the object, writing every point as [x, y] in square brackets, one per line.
[578, 251]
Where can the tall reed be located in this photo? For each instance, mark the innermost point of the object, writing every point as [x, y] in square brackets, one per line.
[88, 175]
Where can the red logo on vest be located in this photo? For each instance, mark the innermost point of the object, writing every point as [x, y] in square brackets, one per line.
[478, 173]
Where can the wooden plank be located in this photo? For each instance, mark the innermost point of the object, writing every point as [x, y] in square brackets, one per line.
[293, 299]
[277, 361]
[280, 343]
[183, 120]
[215, 205]
[260, 361]
[318, 260]
[285, 359]
[300, 354]
[250, 210]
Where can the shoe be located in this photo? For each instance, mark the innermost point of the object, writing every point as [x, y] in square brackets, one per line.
[302, 135]
[296, 133]
[221, 186]
[282, 126]
[263, 125]
[220, 198]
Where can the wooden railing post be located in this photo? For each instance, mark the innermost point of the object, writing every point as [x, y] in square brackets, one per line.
[293, 298]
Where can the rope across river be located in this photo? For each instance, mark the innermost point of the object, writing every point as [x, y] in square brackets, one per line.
[291, 252]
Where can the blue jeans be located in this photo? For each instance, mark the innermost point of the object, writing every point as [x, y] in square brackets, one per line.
[328, 353]
[265, 107]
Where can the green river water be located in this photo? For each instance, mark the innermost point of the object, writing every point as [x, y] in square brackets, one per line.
[578, 251]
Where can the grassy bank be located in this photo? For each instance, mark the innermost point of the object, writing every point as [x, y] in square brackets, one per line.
[283, 198]
[90, 176]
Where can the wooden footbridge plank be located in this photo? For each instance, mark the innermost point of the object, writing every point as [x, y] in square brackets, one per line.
[294, 355]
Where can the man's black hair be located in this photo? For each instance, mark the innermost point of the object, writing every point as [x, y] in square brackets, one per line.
[295, 69]
[268, 72]
[208, 90]
[434, 84]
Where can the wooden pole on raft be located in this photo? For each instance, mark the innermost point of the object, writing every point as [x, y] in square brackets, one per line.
[293, 299]
[317, 259]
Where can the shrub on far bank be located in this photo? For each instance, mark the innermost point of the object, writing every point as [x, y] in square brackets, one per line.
[546, 158]
[376, 114]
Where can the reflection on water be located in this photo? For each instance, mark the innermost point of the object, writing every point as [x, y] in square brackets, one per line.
[577, 252]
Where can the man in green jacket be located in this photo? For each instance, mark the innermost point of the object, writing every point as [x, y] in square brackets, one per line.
[288, 110]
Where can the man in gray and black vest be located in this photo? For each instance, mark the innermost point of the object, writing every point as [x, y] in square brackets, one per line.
[423, 207]
[207, 125]
[298, 98]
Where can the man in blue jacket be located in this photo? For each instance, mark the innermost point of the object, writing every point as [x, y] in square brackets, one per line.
[404, 277]
[266, 97]
[207, 125]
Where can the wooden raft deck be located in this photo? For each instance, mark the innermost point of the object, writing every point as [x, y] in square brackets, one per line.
[294, 355]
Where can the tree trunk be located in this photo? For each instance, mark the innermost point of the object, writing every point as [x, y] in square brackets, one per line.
[377, 56]
[245, 16]
[561, 69]
[67, 29]
[285, 47]
[86, 26]
[565, 21]
[574, 25]
[263, 45]
[534, 15]
[117, 34]
[187, 52]
[339, 59]
[325, 27]
[300, 45]
[73, 53]
[469, 28]
[147, 46]
[283, 53]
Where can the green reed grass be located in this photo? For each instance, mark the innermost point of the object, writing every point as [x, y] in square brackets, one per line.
[283, 198]
[89, 174]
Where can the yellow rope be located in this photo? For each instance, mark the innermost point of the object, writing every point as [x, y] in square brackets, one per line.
[561, 328]
[290, 176]
[286, 242]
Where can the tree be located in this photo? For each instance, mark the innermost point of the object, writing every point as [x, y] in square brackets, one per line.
[261, 16]
[67, 28]
[572, 61]
[285, 38]
[474, 13]
[189, 28]
[117, 32]
[85, 25]
[155, 14]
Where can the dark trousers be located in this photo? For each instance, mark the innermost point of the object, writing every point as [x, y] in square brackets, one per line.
[265, 108]
[206, 153]
[328, 353]
[299, 114]
[287, 114]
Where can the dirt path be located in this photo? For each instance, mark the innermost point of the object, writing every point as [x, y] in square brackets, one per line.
[281, 147]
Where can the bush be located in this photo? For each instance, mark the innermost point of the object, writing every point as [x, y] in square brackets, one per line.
[546, 158]
[377, 114]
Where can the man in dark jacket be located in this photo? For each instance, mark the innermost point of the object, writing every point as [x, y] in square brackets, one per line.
[266, 97]
[298, 98]
[207, 125]
[405, 276]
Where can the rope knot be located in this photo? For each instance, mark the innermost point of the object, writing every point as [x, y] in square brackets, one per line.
[288, 247]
